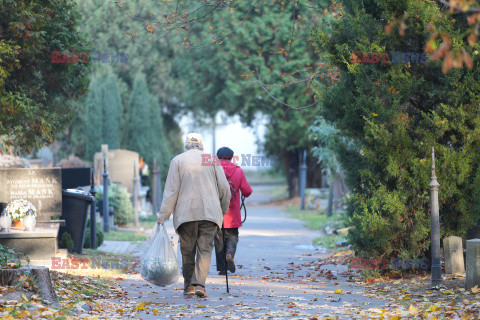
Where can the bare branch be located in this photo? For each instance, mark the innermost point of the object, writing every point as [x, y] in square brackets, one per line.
[160, 24]
[220, 39]
[175, 20]
[264, 87]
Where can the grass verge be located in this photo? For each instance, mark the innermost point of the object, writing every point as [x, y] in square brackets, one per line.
[115, 235]
[315, 220]
[329, 242]
[318, 220]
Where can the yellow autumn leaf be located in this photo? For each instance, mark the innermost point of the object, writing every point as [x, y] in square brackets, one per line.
[374, 114]
[406, 298]
[475, 289]
[141, 306]
[338, 291]
[448, 292]
[25, 298]
[433, 308]
[395, 318]
[412, 309]
[201, 307]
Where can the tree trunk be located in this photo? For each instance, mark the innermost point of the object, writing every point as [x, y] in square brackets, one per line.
[11, 277]
[330, 200]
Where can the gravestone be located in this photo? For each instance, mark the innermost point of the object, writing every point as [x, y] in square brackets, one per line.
[119, 166]
[42, 187]
[76, 177]
[473, 264]
[453, 255]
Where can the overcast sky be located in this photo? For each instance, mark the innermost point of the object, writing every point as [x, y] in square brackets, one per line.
[236, 136]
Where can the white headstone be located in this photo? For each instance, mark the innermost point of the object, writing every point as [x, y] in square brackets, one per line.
[453, 254]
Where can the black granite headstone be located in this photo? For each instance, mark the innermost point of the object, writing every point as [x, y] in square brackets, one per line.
[42, 187]
[75, 177]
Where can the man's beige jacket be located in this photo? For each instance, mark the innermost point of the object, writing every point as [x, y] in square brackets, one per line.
[194, 192]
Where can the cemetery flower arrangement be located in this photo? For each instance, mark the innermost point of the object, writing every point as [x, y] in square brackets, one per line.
[17, 209]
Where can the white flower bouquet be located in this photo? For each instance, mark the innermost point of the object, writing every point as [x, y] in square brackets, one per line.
[17, 209]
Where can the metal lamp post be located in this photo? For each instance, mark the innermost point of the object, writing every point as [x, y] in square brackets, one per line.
[106, 222]
[435, 227]
[303, 178]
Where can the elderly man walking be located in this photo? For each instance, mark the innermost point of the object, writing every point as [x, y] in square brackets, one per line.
[198, 196]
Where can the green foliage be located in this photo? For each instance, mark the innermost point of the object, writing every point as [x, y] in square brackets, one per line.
[316, 220]
[144, 131]
[328, 139]
[35, 94]
[329, 242]
[9, 258]
[99, 235]
[394, 114]
[100, 117]
[119, 200]
[106, 26]
[262, 47]
[66, 242]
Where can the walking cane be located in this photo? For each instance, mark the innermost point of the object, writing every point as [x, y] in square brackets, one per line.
[225, 257]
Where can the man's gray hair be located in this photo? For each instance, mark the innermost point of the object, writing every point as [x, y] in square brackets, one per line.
[193, 145]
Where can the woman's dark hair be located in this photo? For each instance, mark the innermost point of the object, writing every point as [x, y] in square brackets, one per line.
[225, 153]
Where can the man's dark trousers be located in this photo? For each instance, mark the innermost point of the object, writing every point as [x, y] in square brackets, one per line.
[196, 245]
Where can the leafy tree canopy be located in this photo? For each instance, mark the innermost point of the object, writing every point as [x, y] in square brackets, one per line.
[36, 94]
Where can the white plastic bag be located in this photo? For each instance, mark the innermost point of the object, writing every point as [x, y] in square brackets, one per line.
[160, 266]
[154, 233]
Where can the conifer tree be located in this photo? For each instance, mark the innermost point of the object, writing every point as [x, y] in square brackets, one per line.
[92, 120]
[394, 113]
[112, 112]
[160, 149]
[100, 117]
[139, 134]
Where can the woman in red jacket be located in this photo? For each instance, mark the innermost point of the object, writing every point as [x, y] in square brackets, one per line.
[233, 219]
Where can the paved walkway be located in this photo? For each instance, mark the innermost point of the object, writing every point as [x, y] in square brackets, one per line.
[120, 247]
[279, 275]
